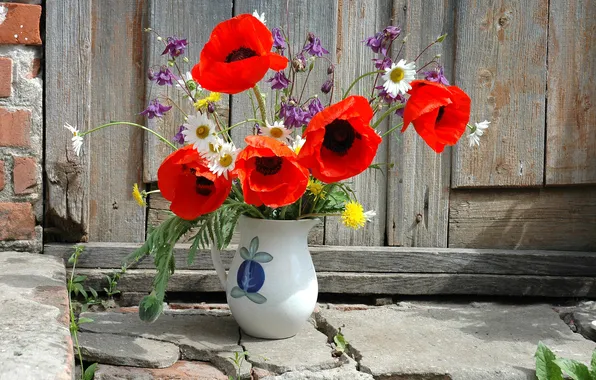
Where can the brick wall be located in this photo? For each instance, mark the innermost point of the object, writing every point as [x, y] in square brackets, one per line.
[21, 126]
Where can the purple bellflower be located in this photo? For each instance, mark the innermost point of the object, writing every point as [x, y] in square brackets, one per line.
[278, 39]
[164, 77]
[279, 81]
[436, 76]
[179, 137]
[313, 47]
[175, 47]
[326, 87]
[155, 109]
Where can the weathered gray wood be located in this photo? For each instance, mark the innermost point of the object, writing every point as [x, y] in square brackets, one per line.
[357, 20]
[370, 259]
[418, 185]
[68, 73]
[571, 110]
[501, 63]
[193, 20]
[116, 153]
[140, 280]
[562, 219]
[303, 18]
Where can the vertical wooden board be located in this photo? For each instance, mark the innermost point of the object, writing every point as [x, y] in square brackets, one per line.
[571, 93]
[193, 20]
[357, 20]
[303, 17]
[500, 62]
[67, 81]
[418, 186]
[117, 93]
[549, 219]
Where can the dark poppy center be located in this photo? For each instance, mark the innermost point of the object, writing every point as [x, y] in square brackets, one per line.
[268, 165]
[339, 136]
[204, 186]
[240, 54]
[440, 114]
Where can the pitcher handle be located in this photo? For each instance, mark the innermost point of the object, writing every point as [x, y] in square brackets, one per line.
[218, 265]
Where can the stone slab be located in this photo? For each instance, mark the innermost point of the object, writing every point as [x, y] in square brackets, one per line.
[308, 350]
[182, 370]
[35, 337]
[127, 350]
[199, 334]
[341, 373]
[454, 341]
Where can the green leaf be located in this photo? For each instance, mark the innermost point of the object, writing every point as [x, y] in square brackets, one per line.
[79, 278]
[236, 292]
[254, 245]
[150, 308]
[262, 257]
[573, 368]
[256, 298]
[340, 341]
[244, 253]
[85, 320]
[93, 292]
[78, 287]
[593, 365]
[546, 369]
[90, 372]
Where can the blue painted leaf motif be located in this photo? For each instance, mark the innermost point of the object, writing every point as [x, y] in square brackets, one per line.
[251, 276]
[262, 257]
[254, 245]
[256, 298]
[244, 253]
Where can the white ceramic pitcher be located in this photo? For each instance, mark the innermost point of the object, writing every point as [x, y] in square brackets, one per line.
[271, 286]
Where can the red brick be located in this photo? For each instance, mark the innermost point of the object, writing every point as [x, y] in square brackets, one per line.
[16, 221]
[14, 128]
[24, 175]
[1, 175]
[5, 77]
[21, 25]
[35, 68]
[181, 370]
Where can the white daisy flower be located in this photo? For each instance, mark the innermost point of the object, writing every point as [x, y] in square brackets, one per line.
[298, 143]
[477, 131]
[181, 84]
[77, 139]
[213, 150]
[398, 77]
[369, 215]
[278, 131]
[200, 131]
[225, 161]
[261, 17]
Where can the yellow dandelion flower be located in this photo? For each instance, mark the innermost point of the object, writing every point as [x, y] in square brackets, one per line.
[213, 97]
[136, 194]
[316, 188]
[353, 215]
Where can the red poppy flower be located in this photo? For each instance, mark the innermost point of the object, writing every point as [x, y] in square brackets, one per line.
[185, 180]
[439, 113]
[340, 142]
[237, 56]
[270, 173]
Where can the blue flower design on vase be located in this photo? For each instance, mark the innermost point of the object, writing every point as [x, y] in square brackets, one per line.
[251, 275]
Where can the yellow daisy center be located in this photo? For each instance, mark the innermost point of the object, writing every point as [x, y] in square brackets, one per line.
[397, 74]
[226, 160]
[212, 148]
[276, 132]
[202, 131]
[353, 215]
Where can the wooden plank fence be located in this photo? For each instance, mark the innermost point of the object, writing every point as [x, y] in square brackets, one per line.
[526, 196]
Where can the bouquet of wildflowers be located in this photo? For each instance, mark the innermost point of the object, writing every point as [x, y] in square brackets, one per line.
[293, 165]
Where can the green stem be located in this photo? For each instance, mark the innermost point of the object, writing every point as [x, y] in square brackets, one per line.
[357, 80]
[238, 124]
[131, 124]
[314, 215]
[260, 102]
[72, 316]
[152, 191]
[259, 213]
[283, 212]
[392, 129]
[387, 113]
